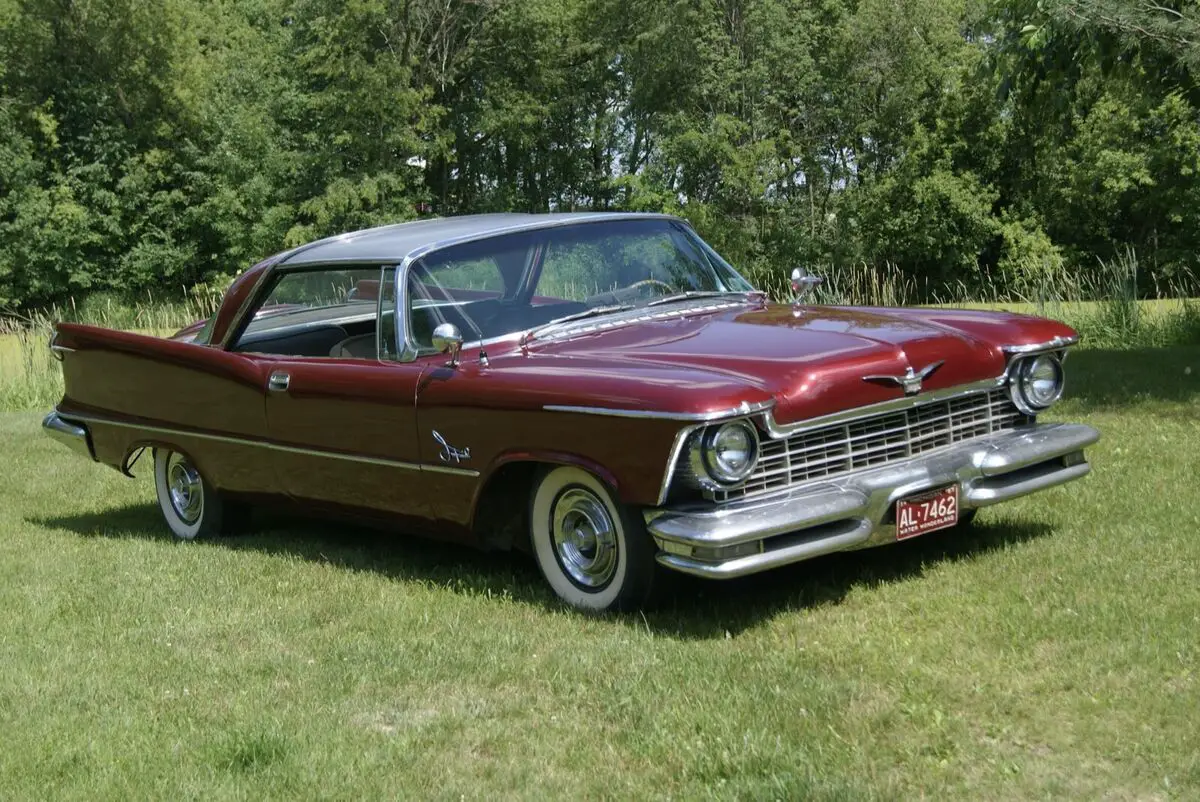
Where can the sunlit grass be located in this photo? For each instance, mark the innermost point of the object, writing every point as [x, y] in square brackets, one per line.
[1050, 651]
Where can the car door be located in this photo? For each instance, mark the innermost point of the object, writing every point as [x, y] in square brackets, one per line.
[350, 424]
[341, 416]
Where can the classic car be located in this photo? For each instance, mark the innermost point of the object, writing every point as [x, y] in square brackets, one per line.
[602, 390]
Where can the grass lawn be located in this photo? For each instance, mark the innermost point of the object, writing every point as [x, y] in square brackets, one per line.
[1052, 650]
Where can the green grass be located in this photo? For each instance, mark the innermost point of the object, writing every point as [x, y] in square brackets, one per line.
[1050, 651]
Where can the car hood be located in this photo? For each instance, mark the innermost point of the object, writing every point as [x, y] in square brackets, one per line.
[810, 360]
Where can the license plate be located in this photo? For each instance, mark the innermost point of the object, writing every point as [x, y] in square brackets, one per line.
[927, 512]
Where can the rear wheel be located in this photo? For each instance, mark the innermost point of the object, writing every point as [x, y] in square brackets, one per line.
[593, 550]
[190, 505]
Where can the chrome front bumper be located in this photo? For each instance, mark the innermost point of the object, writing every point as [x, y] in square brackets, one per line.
[855, 511]
[69, 433]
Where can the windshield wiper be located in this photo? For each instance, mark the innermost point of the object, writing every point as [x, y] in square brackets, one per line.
[684, 296]
[595, 311]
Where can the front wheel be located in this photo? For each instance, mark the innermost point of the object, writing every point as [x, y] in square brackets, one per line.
[190, 505]
[594, 552]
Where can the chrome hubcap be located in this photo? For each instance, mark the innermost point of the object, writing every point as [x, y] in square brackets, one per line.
[186, 489]
[585, 539]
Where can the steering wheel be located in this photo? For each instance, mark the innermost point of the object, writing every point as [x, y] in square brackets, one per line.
[646, 282]
[622, 295]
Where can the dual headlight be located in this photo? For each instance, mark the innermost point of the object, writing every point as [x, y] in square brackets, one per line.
[725, 454]
[1037, 382]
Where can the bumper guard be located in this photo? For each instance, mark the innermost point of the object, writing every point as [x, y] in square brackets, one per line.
[71, 434]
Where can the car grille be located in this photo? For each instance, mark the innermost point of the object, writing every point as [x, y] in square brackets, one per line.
[876, 440]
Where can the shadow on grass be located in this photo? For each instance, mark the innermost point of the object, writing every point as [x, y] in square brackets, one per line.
[689, 607]
[1100, 378]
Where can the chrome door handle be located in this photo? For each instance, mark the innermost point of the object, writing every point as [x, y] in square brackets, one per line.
[278, 382]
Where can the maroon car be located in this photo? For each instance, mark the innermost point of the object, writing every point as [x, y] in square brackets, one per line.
[603, 390]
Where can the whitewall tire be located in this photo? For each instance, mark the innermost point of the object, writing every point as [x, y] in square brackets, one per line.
[594, 551]
[191, 507]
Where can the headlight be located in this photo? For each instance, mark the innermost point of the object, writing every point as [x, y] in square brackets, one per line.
[730, 451]
[1037, 383]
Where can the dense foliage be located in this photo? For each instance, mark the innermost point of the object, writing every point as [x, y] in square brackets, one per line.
[1008, 144]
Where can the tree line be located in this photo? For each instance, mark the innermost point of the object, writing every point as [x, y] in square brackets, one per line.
[990, 145]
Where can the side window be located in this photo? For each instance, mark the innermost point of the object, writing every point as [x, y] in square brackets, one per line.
[482, 275]
[430, 303]
[317, 313]
[468, 285]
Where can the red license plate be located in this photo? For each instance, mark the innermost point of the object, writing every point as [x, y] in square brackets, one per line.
[927, 512]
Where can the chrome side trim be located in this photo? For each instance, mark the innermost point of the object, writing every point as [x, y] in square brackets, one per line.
[745, 408]
[57, 350]
[680, 439]
[408, 349]
[310, 452]
[427, 468]
[777, 430]
[1032, 348]
[534, 225]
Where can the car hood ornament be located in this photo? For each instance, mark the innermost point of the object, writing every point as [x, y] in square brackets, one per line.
[910, 380]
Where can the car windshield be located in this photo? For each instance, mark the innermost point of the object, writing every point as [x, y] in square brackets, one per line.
[516, 282]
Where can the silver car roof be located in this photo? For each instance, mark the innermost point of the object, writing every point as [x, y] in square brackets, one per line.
[394, 243]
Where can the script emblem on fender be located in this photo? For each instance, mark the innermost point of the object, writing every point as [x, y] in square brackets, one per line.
[449, 453]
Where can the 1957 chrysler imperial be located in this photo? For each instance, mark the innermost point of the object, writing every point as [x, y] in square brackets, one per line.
[603, 390]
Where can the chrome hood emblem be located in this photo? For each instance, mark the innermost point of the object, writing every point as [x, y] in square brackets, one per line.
[909, 380]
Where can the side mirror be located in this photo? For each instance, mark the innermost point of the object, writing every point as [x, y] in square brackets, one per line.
[803, 283]
[447, 339]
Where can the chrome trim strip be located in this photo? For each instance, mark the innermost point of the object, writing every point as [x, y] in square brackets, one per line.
[379, 314]
[427, 468]
[241, 441]
[1049, 345]
[778, 431]
[304, 267]
[743, 409]
[409, 351]
[57, 350]
[673, 459]
[535, 225]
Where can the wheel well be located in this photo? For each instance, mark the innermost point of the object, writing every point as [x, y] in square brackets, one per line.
[501, 519]
[139, 449]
